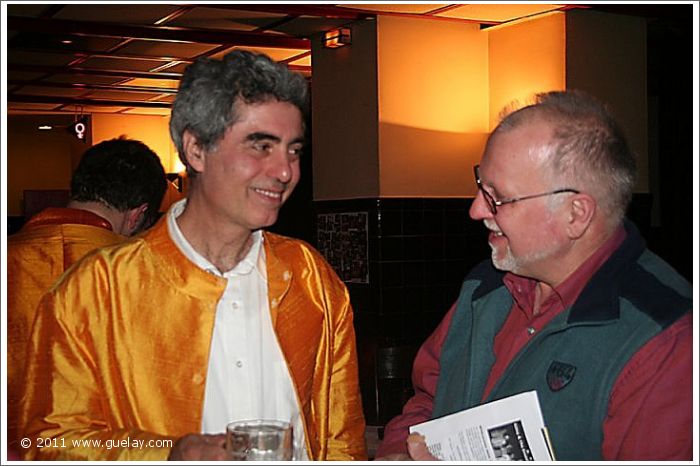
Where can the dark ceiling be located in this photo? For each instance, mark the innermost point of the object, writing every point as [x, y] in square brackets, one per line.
[128, 58]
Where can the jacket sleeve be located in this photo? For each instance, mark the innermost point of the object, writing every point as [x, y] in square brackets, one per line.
[63, 401]
[426, 371]
[650, 415]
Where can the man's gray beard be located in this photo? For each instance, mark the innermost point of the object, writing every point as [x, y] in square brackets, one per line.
[510, 263]
[507, 263]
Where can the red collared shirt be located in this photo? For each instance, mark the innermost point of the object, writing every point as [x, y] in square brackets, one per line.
[522, 322]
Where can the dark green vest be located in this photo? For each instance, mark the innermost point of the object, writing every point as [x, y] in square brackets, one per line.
[574, 361]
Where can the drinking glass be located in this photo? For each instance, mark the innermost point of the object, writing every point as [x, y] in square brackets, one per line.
[259, 440]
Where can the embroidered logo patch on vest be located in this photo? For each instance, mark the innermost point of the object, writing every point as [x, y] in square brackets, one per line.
[559, 375]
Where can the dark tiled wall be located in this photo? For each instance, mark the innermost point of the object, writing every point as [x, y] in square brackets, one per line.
[418, 252]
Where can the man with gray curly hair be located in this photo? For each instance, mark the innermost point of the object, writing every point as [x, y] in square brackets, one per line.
[207, 318]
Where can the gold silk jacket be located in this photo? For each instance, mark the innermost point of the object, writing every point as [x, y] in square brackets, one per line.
[120, 351]
[49, 243]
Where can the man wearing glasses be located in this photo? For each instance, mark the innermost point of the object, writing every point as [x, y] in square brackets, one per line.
[571, 305]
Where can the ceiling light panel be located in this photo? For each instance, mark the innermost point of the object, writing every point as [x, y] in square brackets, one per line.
[103, 63]
[274, 53]
[144, 82]
[497, 12]
[82, 79]
[102, 109]
[148, 111]
[51, 91]
[414, 8]
[122, 95]
[156, 48]
[125, 13]
[21, 57]
[222, 18]
[305, 26]
[30, 107]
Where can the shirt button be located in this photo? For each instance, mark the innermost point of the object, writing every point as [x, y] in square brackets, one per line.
[239, 363]
[274, 302]
[286, 275]
[198, 379]
[235, 305]
[531, 330]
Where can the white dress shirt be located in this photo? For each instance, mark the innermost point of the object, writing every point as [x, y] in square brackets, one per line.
[247, 377]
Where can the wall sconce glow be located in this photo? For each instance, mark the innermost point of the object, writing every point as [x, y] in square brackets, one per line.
[176, 179]
[45, 127]
[337, 38]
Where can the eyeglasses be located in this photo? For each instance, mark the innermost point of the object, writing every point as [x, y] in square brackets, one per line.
[493, 204]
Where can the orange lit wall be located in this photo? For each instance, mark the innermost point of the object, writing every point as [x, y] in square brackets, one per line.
[38, 159]
[433, 105]
[416, 126]
[152, 130]
[525, 58]
[46, 159]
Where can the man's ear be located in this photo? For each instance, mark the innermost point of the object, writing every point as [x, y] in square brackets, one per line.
[581, 208]
[135, 218]
[194, 153]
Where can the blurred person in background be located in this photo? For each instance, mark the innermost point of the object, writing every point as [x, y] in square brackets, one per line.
[116, 191]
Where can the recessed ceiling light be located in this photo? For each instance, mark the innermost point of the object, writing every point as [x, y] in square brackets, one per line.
[45, 127]
[66, 41]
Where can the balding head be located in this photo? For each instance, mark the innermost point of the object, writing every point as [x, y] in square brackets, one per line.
[587, 150]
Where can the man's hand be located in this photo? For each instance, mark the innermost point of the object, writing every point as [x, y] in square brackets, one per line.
[194, 447]
[417, 448]
[417, 451]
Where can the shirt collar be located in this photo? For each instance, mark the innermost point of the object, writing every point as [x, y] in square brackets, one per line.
[253, 261]
[63, 215]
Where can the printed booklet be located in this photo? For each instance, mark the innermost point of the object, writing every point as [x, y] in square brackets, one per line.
[509, 429]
